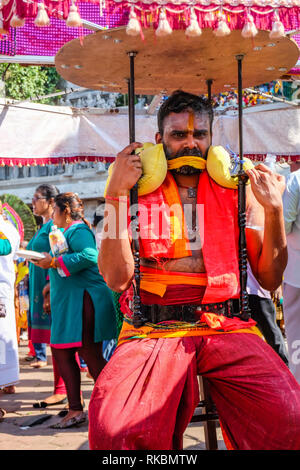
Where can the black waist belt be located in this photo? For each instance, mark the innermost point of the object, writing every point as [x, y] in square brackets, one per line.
[189, 313]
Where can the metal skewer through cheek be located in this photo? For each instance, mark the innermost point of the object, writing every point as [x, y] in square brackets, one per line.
[137, 319]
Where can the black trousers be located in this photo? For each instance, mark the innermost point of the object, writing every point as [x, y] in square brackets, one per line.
[264, 313]
[91, 353]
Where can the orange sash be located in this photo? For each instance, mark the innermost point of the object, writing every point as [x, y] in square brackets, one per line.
[163, 228]
[162, 236]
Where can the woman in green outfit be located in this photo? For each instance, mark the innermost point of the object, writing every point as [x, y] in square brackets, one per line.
[39, 321]
[82, 306]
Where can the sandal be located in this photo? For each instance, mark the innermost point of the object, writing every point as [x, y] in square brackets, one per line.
[44, 404]
[29, 358]
[39, 364]
[9, 389]
[65, 411]
[2, 414]
[70, 423]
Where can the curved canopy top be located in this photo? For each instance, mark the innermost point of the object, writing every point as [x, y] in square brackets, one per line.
[164, 64]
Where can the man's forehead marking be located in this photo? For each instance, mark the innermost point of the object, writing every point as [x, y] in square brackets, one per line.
[191, 121]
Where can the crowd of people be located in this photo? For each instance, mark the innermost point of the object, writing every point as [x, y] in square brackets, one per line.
[259, 95]
[145, 393]
[75, 318]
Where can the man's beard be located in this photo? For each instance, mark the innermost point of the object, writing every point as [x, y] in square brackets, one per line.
[186, 152]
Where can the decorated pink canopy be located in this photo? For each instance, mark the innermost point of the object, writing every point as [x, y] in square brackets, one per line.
[277, 16]
[34, 40]
[41, 29]
[265, 14]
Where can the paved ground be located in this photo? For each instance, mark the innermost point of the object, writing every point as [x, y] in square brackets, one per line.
[36, 384]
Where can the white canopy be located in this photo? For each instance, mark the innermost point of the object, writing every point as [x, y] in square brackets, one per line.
[40, 134]
[267, 129]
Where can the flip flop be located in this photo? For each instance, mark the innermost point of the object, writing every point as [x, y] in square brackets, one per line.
[44, 404]
[70, 423]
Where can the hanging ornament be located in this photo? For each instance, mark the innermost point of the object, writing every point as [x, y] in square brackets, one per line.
[277, 27]
[164, 27]
[16, 21]
[2, 29]
[249, 30]
[42, 18]
[73, 20]
[133, 27]
[193, 29]
[222, 28]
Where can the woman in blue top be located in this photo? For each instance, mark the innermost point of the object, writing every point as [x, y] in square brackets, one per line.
[81, 303]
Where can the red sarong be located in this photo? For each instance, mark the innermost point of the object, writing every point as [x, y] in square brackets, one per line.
[146, 395]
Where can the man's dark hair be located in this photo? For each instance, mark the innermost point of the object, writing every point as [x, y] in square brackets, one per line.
[181, 101]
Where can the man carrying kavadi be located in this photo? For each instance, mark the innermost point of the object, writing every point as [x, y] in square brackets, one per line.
[146, 395]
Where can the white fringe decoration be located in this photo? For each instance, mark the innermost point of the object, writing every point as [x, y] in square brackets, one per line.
[193, 29]
[249, 30]
[73, 20]
[133, 27]
[102, 6]
[222, 28]
[277, 28]
[210, 16]
[164, 27]
[42, 18]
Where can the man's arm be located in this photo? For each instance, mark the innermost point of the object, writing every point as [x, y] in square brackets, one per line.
[115, 258]
[267, 248]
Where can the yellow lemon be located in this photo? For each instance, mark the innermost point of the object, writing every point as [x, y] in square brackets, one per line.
[218, 164]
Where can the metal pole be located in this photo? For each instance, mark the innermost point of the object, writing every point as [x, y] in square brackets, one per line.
[131, 94]
[209, 83]
[242, 179]
[137, 319]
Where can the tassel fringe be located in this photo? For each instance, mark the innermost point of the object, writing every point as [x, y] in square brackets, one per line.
[133, 27]
[42, 18]
[16, 21]
[73, 20]
[193, 29]
[249, 30]
[222, 28]
[164, 27]
[277, 28]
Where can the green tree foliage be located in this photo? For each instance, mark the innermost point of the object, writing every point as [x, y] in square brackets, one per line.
[29, 82]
